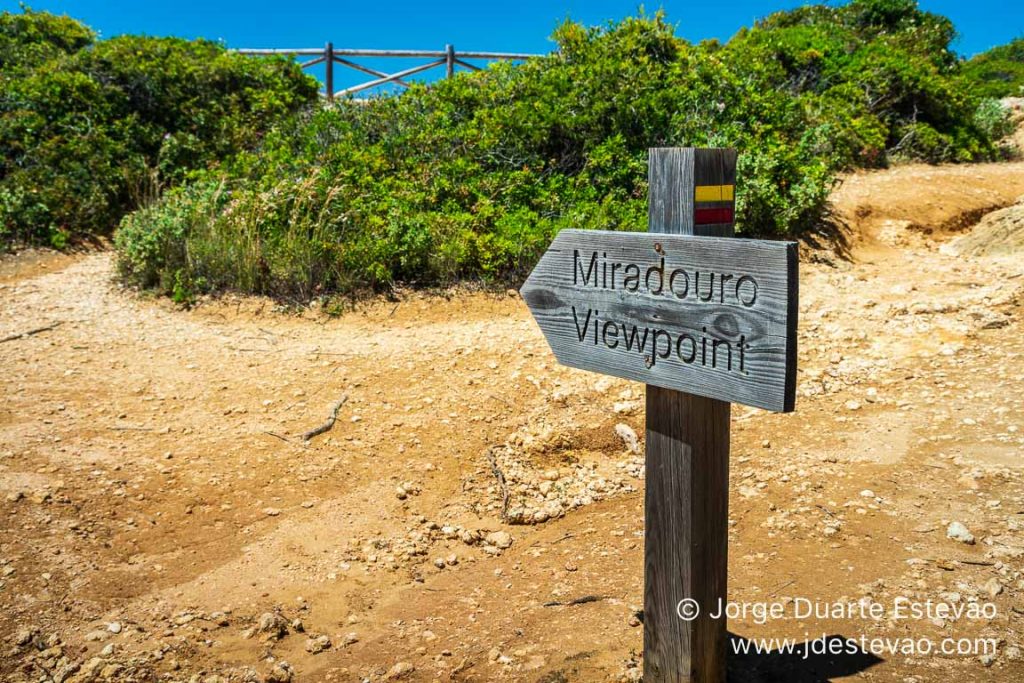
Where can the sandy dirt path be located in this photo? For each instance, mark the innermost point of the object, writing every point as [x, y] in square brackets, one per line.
[163, 519]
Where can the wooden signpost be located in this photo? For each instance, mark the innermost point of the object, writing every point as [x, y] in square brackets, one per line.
[704, 321]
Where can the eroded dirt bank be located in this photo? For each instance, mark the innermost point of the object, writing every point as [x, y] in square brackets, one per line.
[163, 520]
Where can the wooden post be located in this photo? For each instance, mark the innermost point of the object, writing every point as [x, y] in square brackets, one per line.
[449, 52]
[686, 501]
[654, 323]
[329, 76]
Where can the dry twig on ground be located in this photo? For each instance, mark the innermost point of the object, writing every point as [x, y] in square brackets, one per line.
[500, 476]
[44, 328]
[326, 426]
[575, 601]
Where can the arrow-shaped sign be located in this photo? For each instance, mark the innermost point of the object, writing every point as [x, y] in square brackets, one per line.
[705, 315]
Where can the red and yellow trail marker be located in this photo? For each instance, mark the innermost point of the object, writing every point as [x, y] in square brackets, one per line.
[713, 204]
[713, 193]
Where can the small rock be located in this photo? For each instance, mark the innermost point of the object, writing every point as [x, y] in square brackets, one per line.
[958, 532]
[114, 627]
[852, 405]
[993, 587]
[52, 652]
[400, 670]
[628, 436]
[968, 481]
[624, 407]
[281, 673]
[93, 666]
[499, 539]
[272, 624]
[350, 638]
[318, 644]
[110, 671]
[867, 493]
[271, 512]
[23, 637]
[107, 650]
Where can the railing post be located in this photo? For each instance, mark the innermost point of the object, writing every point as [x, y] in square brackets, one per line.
[329, 76]
[450, 59]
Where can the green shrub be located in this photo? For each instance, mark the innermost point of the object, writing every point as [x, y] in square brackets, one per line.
[152, 242]
[994, 119]
[473, 176]
[99, 129]
[878, 74]
[998, 72]
[29, 38]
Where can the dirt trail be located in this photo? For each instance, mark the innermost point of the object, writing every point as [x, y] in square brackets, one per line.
[163, 519]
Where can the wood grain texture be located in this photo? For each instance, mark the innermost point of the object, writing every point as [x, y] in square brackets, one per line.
[686, 535]
[686, 494]
[676, 328]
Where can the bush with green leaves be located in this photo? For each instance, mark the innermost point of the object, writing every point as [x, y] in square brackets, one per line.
[29, 38]
[879, 74]
[89, 134]
[998, 72]
[470, 178]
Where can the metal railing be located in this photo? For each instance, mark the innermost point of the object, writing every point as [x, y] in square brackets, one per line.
[329, 56]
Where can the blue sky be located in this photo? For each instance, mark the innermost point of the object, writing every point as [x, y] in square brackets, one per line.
[520, 26]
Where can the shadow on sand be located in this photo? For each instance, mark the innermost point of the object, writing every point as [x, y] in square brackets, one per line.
[820, 666]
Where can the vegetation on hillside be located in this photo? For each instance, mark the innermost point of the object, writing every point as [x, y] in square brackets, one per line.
[998, 72]
[90, 130]
[472, 177]
[468, 178]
